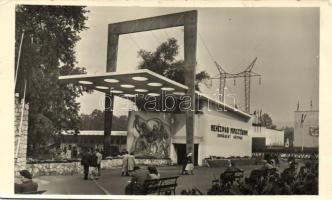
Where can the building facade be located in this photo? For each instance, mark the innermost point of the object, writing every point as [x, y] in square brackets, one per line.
[306, 128]
[263, 138]
[273, 138]
[218, 132]
[94, 139]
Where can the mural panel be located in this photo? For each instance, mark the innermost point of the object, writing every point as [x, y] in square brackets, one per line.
[149, 134]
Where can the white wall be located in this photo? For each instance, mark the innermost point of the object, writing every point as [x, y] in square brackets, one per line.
[219, 146]
[209, 142]
[302, 133]
[273, 137]
[179, 134]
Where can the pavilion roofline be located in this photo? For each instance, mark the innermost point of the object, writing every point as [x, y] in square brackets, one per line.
[139, 71]
[228, 107]
[125, 76]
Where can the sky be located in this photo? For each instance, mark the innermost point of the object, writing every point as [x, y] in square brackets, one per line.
[285, 41]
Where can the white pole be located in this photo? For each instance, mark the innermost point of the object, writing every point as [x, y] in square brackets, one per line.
[302, 138]
[18, 58]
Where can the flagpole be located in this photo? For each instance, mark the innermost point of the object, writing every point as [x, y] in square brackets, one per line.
[302, 139]
[18, 58]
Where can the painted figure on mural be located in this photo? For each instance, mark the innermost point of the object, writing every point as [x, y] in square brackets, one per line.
[151, 137]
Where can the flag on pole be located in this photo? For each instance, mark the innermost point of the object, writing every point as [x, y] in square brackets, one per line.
[260, 120]
[298, 105]
[302, 120]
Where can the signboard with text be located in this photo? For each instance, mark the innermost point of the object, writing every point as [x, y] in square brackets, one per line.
[228, 132]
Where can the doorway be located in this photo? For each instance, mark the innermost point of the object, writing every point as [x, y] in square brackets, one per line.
[180, 150]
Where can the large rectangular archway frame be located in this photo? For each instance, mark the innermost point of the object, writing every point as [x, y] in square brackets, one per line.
[186, 19]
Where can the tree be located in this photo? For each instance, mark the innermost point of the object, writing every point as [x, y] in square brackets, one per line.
[95, 121]
[50, 35]
[163, 61]
[266, 121]
[120, 123]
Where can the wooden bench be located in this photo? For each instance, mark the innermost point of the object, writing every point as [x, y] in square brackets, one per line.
[164, 186]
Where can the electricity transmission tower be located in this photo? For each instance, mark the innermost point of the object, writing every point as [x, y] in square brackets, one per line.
[247, 74]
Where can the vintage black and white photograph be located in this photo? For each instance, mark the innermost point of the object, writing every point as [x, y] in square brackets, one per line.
[113, 100]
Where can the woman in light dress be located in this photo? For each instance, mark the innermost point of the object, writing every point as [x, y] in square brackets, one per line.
[131, 162]
[125, 157]
[190, 166]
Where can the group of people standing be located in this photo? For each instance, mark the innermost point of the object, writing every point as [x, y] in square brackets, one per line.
[128, 163]
[91, 161]
[65, 153]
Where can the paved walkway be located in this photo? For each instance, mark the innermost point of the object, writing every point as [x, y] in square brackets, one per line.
[112, 183]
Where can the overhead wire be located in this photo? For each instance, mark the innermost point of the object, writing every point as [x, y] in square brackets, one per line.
[155, 37]
[239, 101]
[165, 31]
[206, 47]
[213, 61]
[135, 43]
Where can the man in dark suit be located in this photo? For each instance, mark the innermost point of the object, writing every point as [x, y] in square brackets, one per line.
[85, 161]
[27, 185]
[136, 185]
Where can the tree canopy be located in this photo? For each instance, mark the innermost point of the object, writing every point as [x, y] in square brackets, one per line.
[266, 120]
[163, 61]
[49, 36]
[95, 121]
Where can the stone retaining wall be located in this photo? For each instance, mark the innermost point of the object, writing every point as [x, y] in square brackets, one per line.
[21, 136]
[47, 169]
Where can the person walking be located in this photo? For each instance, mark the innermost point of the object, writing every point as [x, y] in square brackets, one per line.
[125, 164]
[184, 165]
[85, 161]
[190, 166]
[93, 164]
[131, 162]
[99, 158]
[68, 153]
[74, 152]
[63, 154]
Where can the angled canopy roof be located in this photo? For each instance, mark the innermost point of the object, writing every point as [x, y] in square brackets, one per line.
[142, 81]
